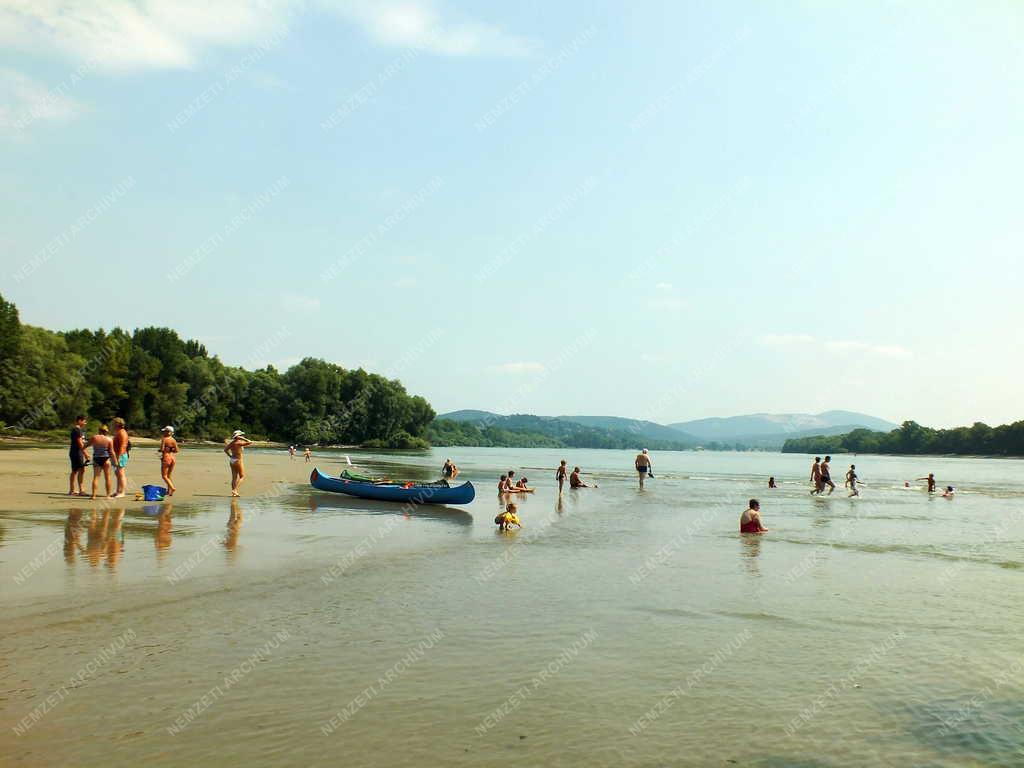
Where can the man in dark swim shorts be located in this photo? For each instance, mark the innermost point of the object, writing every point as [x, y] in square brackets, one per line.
[76, 453]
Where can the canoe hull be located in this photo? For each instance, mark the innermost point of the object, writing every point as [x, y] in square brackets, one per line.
[417, 494]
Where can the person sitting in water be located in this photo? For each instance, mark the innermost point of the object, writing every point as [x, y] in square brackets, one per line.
[771, 483]
[508, 518]
[574, 479]
[522, 485]
[750, 520]
[948, 493]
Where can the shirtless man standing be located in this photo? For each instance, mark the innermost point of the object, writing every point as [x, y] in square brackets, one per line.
[826, 477]
[78, 456]
[643, 465]
[119, 455]
[234, 449]
[816, 475]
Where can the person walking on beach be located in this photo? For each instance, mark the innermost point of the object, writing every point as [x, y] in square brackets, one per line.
[826, 477]
[119, 455]
[931, 481]
[78, 457]
[168, 455]
[851, 481]
[643, 466]
[816, 475]
[308, 454]
[291, 452]
[560, 474]
[102, 446]
[234, 449]
[750, 520]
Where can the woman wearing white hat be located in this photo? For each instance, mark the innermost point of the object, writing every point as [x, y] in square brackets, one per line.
[168, 455]
[234, 450]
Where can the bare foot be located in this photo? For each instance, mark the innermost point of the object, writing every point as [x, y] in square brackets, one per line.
[116, 496]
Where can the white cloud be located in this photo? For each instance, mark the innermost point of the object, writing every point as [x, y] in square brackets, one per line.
[123, 35]
[786, 339]
[302, 305]
[882, 350]
[23, 101]
[518, 367]
[418, 24]
[665, 303]
[664, 286]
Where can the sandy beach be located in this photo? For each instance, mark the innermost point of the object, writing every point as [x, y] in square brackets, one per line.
[37, 478]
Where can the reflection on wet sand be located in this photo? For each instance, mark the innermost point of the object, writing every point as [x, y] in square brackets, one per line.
[234, 526]
[421, 511]
[73, 535]
[162, 535]
[104, 538]
[750, 552]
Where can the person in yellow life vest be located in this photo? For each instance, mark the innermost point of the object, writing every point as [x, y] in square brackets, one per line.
[508, 518]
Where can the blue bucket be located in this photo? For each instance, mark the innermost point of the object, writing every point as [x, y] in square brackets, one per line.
[153, 492]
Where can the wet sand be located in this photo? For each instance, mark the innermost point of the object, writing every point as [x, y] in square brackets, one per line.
[37, 478]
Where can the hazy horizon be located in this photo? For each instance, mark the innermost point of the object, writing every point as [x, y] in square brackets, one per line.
[671, 212]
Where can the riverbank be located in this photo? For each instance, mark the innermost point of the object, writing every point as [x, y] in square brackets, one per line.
[37, 478]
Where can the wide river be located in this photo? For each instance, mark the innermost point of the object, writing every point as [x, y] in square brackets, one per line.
[619, 627]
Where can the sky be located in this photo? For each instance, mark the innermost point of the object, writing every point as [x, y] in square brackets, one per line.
[663, 211]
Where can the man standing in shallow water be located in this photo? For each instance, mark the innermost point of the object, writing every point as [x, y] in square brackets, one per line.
[643, 465]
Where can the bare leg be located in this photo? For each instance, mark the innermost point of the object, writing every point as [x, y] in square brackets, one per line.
[165, 473]
[95, 480]
[106, 477]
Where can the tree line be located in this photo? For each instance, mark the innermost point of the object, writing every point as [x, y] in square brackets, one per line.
[913, 439]
[151, 378]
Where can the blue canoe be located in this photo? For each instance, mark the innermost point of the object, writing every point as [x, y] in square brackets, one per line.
[413, 493]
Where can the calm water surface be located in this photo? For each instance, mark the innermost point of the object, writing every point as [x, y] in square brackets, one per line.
[618, 627]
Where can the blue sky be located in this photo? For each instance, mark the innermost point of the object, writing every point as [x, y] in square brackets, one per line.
[654, 210]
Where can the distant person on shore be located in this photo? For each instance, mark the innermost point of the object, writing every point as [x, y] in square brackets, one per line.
[119, 455]
[168, 456]
[851, 480]
[576, 482]
[560, 474]
[78, 457]
[508, 518]
[771, 482]
[816, 475]
[826, 476]
[235, 449]
[750, 520]
[291, 452]
[102, 446]
[931, 481]
[643, 466]
[308, 454]
[449, 471]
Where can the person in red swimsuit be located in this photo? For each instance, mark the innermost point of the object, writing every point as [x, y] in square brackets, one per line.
[750, 521]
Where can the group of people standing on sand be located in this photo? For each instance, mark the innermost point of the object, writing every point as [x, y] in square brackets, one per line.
[108, 451]
[111, 452]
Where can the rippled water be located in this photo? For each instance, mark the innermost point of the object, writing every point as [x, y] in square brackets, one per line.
[618, 627]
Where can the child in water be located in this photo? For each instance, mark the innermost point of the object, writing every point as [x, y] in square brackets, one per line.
[508, 518]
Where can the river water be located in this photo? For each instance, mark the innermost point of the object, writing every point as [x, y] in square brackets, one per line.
[619, 627]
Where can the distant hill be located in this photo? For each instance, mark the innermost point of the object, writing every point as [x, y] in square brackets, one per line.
[765, 431]
[483, 428]
[642, 429]
[772, 429]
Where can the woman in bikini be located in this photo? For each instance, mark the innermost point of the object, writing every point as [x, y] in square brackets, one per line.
[102, 445]
[750, 521]
[168, 454]
[560, 474]
[234, 450]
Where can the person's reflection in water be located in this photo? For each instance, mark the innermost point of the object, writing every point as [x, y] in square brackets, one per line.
[162, 537]
[234, 526]
[751, 550]
[96, 536]
[115, 539]
[560, 505]
[73, 536]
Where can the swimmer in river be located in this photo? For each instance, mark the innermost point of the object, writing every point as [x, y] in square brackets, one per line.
[931, 481]
[771, 482]
[750, 520]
